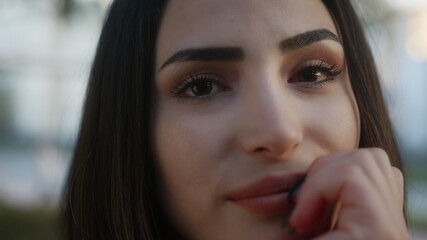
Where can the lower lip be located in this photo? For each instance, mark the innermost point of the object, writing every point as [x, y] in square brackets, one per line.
[267, 204]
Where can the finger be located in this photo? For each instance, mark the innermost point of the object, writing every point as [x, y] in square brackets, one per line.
[390, 182]
[374, 162]
[325, 160]
[350, 186]
[400, 186]
[384, 164]
[335, 235]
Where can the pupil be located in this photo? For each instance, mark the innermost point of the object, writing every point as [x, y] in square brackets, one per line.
[202, 88]
[310, 75]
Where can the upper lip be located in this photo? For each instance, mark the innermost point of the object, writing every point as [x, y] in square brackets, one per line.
[267, 185]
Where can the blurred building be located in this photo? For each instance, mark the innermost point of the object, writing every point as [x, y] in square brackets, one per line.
[46, 49]
[397, 31]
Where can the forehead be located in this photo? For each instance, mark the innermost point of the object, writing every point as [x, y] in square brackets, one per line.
[249, 24]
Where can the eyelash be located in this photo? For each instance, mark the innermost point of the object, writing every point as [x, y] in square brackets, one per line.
[192, 80]
[330, 70]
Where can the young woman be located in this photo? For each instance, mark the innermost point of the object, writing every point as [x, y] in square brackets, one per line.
[204, 118]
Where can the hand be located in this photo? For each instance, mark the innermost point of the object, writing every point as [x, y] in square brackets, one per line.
[369, 192]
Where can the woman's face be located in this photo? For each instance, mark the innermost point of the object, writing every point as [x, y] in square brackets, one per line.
[249, 93]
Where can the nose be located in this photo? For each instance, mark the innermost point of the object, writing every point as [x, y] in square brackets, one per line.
[269, 125]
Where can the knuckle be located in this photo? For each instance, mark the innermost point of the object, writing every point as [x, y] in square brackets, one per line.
[379, 153]
[398, 174]
[352, 171]
[362, 154]
[377, 229]
[318, 163]
[360, 232]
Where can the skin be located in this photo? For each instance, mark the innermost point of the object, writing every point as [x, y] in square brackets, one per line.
[257, 121]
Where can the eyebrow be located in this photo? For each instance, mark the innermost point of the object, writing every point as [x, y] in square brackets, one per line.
[307, 38]
[237, 54]
[206, 55]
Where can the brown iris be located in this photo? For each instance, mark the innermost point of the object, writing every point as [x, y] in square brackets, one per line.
[311, 75]
[202, 88]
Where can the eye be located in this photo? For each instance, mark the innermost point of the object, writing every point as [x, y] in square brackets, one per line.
[199, 86]
[312, 75]
[315, 72]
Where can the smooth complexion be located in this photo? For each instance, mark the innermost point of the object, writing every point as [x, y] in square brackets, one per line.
[241, 102]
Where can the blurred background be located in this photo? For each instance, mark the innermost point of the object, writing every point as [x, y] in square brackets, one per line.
[46, 49]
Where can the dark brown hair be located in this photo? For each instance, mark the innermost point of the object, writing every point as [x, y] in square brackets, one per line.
[111, 187]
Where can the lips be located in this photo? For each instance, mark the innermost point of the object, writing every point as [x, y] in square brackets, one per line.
[267, 195]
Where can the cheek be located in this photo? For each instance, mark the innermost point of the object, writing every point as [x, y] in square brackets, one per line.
[333, 121]
[189, 143]
[188, 155]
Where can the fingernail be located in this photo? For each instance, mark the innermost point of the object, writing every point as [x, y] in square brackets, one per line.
[285, 222]
[293, 192]
[291, 230]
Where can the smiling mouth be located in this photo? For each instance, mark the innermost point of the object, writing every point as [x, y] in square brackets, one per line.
[266, 196]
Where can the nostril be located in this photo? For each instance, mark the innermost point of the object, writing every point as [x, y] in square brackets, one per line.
[261, 149]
